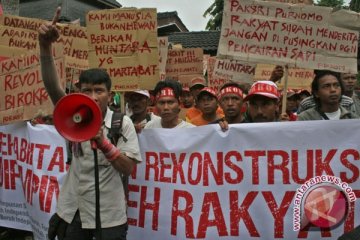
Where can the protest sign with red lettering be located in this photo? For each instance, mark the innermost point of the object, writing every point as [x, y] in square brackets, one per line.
[31, 173]
[163, 44]
[234, 70]
[124, 41]
[203, 183]
[185, 61]
[298, 78]
[19, 32]
[297, 35]
[22, 92]
[75, 43]
[214, 83]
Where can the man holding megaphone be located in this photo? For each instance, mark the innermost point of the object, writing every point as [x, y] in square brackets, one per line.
[75, 214]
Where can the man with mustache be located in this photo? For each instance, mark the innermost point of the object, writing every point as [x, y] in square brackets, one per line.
[349, 80]
[231, 101]
[327, 89]
[138, 102]
[167, 97]
[208, 104]
[263, 102]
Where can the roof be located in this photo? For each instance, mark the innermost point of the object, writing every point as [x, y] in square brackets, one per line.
[112, 3]
[207, 40]
[161, 16]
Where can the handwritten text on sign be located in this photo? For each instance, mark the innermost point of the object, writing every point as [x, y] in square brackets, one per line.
[124, 41]
[234, 70]
[301, 36]
[184, 61]
[22, 90]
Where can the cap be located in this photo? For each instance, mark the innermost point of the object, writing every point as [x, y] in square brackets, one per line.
[303, 91]
[208, 91]
[263, 88]
[290, 93]
[142, 92]
[197, 81]
[186, 89]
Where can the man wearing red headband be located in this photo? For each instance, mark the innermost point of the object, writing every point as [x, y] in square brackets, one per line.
[231, 100]
[168, 106]
[208, 104]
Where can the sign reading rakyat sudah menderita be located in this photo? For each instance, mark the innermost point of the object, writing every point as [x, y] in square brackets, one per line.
[298, 35]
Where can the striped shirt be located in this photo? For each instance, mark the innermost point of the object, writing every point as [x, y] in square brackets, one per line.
[309, 102]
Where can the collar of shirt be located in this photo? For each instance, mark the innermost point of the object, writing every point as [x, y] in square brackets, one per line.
[107, 118]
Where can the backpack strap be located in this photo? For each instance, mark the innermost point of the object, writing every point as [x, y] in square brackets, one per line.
[115, 132]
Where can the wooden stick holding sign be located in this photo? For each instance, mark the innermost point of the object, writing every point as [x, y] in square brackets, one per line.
[284, 96]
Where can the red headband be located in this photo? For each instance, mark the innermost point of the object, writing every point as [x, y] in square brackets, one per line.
[165, 92]
[231, 90]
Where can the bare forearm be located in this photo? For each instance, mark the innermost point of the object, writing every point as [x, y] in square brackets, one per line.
[123, 164]
[49, 75]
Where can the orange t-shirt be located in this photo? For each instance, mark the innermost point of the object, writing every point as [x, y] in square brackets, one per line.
[200, 121]
[194, 112]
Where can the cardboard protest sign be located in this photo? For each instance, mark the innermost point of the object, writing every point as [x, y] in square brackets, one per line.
[163, 43]
[186, 61]
[22, 92]
[74, 40]
[214, 82]
[234, 70]
[298, 78]
[7, 52]
[202, 183]
[296, 35]
[124, 41]
[75, 43]
[19, 32]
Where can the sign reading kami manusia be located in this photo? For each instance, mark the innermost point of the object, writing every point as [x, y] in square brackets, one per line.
[124, 42]
[297, 35]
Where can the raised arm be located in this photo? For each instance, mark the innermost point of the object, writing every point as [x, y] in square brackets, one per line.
[48, 33]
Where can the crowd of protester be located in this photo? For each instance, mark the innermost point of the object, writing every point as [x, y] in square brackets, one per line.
[331, 96]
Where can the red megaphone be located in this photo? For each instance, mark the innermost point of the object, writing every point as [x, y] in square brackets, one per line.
[77, 117]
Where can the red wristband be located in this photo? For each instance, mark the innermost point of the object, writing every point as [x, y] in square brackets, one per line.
[110, 151]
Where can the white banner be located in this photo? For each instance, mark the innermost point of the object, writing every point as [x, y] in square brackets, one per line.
[203, 183]
[198, 183]
[32, 167]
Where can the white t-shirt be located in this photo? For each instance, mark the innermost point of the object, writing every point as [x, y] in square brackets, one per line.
[156, 123]
[334, 115]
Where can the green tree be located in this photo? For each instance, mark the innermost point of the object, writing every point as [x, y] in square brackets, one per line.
[216, 12]
[355, 5]
[330, 3]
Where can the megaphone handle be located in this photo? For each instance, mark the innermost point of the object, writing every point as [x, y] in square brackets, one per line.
[93, 144]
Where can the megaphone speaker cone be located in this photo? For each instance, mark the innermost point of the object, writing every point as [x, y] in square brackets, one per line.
[77, 117]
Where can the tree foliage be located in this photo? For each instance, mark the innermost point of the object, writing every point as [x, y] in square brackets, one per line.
[215, 11]
[355, 5]
[330, 3]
